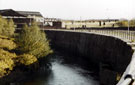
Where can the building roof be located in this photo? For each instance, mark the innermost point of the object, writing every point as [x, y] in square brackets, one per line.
[27, 13]
[52, 19]
[10, 12]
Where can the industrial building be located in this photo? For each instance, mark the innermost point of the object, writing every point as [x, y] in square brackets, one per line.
[22, 17]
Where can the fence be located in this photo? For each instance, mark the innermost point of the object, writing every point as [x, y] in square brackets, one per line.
[125, 35]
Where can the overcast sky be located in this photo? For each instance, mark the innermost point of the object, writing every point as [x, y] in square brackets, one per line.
[75, 9]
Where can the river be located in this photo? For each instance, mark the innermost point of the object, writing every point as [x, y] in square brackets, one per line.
[64, 74]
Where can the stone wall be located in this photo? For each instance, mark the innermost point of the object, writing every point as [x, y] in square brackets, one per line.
[110, 54]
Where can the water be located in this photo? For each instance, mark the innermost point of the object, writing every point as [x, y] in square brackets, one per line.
[64, 74]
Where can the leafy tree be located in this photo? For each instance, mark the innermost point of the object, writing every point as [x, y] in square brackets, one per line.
[132, 23]
[33, 41]
[123, 23]
[2, 24]
[6, 27]
[11, 28]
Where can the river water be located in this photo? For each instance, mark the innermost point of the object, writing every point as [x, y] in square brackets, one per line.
[64, 74]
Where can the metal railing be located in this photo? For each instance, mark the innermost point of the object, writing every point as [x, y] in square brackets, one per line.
[125, 35]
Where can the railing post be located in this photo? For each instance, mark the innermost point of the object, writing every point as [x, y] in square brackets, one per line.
[134, 36]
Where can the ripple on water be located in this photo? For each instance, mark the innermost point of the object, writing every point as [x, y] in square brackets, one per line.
[67, 75]
[64, 74]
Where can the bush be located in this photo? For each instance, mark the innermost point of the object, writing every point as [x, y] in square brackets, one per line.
[6, 62]
[6, 55]
[6, 27]
[26, 59]
[124, 23]
[132, 23]
[33, 41]
[7, 44]
[5, 66]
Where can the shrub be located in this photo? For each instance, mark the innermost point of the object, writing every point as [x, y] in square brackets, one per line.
[6, 62]
[132, 23]
[5, 66]
[124, 23]
[7, 43]
[33, 41]
[6, 55]
[27, 59]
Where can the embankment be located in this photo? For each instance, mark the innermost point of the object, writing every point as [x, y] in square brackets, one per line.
[111, 55]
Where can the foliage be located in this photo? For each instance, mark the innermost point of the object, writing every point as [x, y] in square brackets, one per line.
[6, 55]
[6, 27]
[5, 65]
[124, 23]
[33, 41]
[132, 23]
[7, 43]
[6, 61]
[26, 59]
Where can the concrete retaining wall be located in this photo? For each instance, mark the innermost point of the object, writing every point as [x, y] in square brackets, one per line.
[106, 52]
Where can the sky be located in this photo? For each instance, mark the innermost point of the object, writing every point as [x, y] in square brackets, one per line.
[75, 9]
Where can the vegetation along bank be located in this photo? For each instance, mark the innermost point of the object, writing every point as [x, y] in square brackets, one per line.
[21, 51]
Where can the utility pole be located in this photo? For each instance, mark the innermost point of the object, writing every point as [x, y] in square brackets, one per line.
[128, 26]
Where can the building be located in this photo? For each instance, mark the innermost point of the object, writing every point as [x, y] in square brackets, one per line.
[23, 17]
[49, 21]
[68, 24]
[52, 23]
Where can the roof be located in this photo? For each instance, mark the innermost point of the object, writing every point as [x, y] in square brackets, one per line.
[27, 13]
[10, 12]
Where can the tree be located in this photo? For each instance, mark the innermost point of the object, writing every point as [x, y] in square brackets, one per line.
[33, 41]
[132, 23]
[2, 24]
[6, 27]
[123, 23]
[11, 27]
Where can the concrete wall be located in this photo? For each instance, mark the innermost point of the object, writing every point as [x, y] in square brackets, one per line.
[112, 55]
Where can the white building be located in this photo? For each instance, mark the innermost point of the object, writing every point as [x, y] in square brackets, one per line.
[68, 24]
